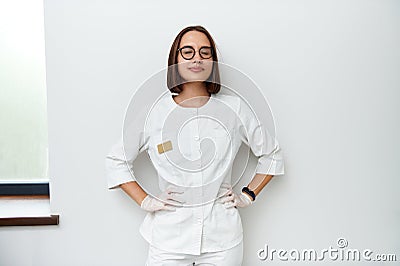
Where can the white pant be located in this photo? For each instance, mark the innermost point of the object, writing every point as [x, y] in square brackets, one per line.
[230, 257]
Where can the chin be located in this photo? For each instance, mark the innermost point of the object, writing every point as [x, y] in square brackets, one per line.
[195, 79]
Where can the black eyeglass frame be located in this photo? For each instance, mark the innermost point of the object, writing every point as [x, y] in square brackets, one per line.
[194, 52]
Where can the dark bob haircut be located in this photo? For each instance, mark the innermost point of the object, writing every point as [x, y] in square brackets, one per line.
[174, 79]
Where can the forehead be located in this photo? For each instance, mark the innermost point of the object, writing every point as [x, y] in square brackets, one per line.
[194, 38]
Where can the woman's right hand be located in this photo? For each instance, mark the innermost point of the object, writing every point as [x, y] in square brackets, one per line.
[167, 200]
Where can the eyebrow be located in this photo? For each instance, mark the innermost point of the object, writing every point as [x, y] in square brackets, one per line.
[193, 47]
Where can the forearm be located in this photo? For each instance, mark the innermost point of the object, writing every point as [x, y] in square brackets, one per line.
[258, 182]
[134, 191]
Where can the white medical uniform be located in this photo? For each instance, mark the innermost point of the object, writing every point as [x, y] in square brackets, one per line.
[205, 141]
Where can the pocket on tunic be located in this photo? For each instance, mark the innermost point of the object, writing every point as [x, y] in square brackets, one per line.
[166, 152]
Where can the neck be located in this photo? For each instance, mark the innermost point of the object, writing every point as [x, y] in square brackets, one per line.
[193, 89]
[190, 91]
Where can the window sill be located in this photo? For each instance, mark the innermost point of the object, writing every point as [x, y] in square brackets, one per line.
[26, 211]
[30, 221]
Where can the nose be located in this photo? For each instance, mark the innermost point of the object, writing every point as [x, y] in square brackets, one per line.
[197, 56]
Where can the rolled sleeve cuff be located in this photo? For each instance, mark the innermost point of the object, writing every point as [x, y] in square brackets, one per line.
[270, 166]
[118, 173]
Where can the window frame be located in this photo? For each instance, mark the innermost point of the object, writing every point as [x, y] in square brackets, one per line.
[28, 191]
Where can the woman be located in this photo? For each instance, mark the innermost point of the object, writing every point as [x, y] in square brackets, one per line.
[194, 220]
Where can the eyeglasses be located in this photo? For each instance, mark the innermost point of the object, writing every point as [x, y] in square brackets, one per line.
[188, 52]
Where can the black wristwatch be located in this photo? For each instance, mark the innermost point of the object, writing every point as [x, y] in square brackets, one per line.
[249, 192]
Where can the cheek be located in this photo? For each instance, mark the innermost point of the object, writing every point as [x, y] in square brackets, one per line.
[208, 66]
[183, 70]
[180, 59]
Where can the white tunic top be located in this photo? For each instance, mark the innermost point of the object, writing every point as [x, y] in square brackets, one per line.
[200, 145]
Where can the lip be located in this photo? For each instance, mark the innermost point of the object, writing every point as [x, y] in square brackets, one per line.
[196, 69]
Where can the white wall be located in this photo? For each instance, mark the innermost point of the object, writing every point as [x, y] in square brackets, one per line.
[330, 70]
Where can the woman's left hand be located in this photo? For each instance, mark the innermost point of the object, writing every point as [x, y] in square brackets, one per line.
[231, 199]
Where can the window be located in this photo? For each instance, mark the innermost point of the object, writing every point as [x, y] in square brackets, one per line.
[23, 112]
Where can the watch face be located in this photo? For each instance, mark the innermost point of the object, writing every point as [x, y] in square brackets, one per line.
[249, 192]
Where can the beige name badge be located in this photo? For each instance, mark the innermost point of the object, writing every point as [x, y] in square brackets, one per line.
[163, 147]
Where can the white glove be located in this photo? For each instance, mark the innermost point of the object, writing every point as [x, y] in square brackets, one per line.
[171, 196]
[231, 199]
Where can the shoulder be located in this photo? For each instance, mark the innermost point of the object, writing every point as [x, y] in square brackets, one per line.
[158, 111]
[161, 105]
[240, 105]
[231, 100]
